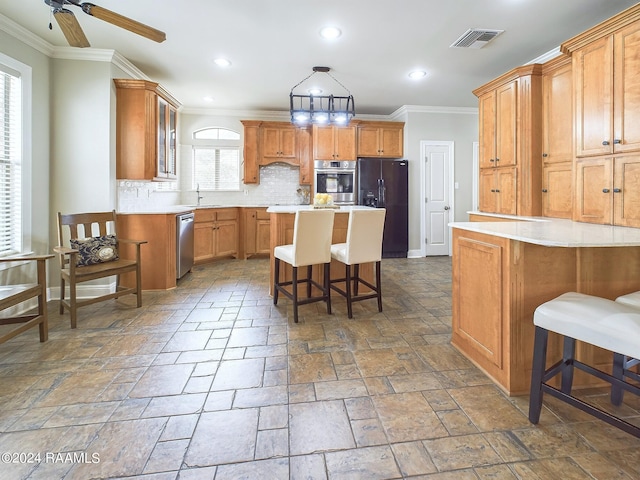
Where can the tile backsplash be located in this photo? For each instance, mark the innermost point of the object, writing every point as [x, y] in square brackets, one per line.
[279, 185]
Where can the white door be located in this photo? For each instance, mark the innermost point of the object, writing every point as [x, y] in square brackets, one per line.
[438, 175]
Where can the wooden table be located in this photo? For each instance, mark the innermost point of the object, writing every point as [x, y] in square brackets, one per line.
[503, 270]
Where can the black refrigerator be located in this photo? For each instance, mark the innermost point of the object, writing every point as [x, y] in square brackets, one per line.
[384, 183]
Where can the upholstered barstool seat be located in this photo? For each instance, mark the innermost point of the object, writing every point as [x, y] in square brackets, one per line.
[363, 245]
[597, 321]
[312, 232]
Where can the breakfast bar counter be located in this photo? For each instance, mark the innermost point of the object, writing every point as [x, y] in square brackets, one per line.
[281, 233]
[503, 268]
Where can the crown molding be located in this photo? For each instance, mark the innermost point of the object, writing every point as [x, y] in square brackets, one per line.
[69, 53]
[406, 109]
[25, 36]
[545, 57]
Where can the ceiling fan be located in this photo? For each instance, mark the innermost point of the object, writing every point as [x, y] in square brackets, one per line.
[73, 31]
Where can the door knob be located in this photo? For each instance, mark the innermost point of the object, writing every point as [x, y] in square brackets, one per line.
[447, 207]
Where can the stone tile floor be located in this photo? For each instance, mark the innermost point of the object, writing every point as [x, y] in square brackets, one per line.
[210, 380]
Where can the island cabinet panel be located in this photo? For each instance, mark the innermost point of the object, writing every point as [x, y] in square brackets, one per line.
[479, 302]
[499, 282]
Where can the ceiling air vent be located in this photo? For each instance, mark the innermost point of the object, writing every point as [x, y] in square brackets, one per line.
[476, 38]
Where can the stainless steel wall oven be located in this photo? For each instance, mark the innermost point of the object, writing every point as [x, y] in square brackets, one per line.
[338, 179]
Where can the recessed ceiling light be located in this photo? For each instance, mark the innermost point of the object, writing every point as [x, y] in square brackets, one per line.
[222, 62]
[417, 74]
[330, 32]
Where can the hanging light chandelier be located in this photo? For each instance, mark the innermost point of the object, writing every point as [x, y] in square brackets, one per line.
[321, 109]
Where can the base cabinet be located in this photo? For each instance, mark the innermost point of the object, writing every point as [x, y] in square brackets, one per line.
[215, 234]
[498, 188]
[158, 255]
[256, 231]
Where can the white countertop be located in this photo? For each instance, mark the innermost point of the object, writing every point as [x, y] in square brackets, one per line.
[296, 208]
[555, 232]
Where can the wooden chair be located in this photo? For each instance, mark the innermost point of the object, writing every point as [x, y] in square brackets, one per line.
[73, 274]
[14, 295]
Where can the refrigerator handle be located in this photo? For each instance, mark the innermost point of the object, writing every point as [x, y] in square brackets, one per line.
[381, 193]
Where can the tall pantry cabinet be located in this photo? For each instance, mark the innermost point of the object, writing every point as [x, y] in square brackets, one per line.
[510, 145]
[557, 138]
[606, 65]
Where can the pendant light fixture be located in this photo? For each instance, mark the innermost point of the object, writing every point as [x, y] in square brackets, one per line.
[318, 109]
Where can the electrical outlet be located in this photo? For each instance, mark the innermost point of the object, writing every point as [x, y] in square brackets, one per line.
[246, 192]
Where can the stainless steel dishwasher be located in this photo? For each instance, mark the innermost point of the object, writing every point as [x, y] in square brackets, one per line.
[184, 244]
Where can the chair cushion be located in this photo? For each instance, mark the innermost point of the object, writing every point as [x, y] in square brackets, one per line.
[631, 299]
[284, 253]
[95, 250]
[339, 252]
[598, 321]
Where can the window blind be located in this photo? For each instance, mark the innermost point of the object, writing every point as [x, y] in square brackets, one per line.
[10, 163]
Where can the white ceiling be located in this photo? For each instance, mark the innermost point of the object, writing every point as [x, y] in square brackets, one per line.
[273, 44]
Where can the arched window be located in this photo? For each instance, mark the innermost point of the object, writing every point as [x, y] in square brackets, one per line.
[216, 159]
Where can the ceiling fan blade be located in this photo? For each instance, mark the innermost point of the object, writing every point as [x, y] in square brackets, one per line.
[124, 22]
[71, 28]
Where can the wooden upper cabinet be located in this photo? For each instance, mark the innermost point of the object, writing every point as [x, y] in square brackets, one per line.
[251, 150]
[593, 77]
[510, 129]
[606, 64]
[594, 186]
[278, 143]
[380, 139]
[557, 111]
[498, 126]
[334, 143]
[304, 141]
[557, 191]
[626, 89]
[146, 131]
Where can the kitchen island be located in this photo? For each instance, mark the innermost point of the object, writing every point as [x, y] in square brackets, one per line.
[504, 267]
[281, 233]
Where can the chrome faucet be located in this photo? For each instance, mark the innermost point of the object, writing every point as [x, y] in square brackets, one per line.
[198, 192]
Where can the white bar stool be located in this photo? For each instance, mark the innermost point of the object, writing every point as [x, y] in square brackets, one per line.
[363, 245]
[594, 320]
[621, 363]
[312, 232]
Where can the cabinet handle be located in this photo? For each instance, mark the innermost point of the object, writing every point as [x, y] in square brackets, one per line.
[605, 142]
[497, 159]
[544, 190]
[497, 190]
[491, 160]
[605, 190]
[617, 141]
[617, 190]
[492, 190]
[545, 155]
